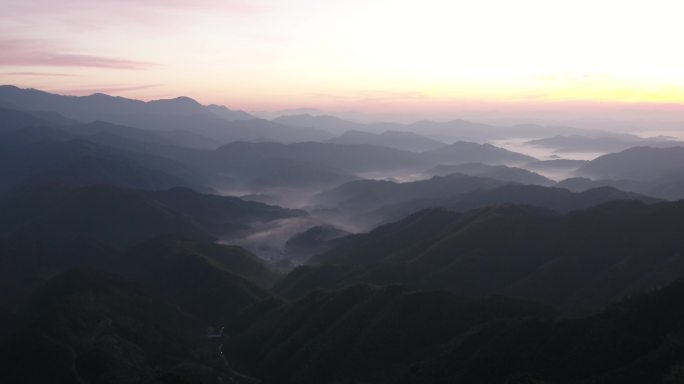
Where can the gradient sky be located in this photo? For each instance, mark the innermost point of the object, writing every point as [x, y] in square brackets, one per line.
[376, 55]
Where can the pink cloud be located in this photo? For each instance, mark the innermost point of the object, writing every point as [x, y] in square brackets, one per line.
[44, 53]
[65, 6]
[88, 14]
[40, 74]
[222, 5]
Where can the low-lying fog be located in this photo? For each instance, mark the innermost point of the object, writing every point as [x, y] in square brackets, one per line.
[269, 240]
[542, 153]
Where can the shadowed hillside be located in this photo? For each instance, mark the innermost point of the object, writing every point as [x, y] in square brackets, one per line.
[578, 261]
[396, 335]
[85, 326]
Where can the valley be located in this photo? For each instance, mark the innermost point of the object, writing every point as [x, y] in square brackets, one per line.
[330, 251]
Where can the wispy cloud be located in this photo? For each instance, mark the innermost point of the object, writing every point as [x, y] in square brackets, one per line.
[40, 74]
[21, 7]
[88, 14]
[45, 53]
[237, 6]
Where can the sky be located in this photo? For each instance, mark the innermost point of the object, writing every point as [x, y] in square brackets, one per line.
[382, 56]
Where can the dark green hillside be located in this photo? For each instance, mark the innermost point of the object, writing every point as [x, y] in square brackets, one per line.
[121, 217]
[159, 239]
[93, 170]
[580, 260]
[360, 334]
[554, 198]
[365, 195]
[220, 215]
[209, 281]
[112, 216]
[314, 240]
[395, 335]
[85, 326]
[638, 340]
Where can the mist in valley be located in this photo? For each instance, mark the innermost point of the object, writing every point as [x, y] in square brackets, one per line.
[262, 228]
[312, 192]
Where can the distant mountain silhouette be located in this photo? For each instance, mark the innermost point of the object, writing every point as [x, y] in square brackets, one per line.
[181, 113]
[365, 195]
[217, 169]
[465, 152]
[448, 131]
[328, 123]
[556, 164]
[328, 163]
[612, 143]
[498, 172]
[469, 131]
[395, 139]
[38, 150]
[553, 198]
[229, 114]
[226, 125]
[348, 158]
[581, 184]
[639, 163]
[12, 120]
[669, 186]
[99, 131]
[372, 202]
[284, 172]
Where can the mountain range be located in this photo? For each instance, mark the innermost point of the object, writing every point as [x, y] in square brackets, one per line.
[446, 131]
[398, 335]
[134, 249]
[601, 144]
[583, 259]
[409, 141]
[498, 172]
[214, 122]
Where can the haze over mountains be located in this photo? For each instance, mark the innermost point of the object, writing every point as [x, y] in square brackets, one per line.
[396, 139]
[177, 114]
[615, 143]
[172, 242]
